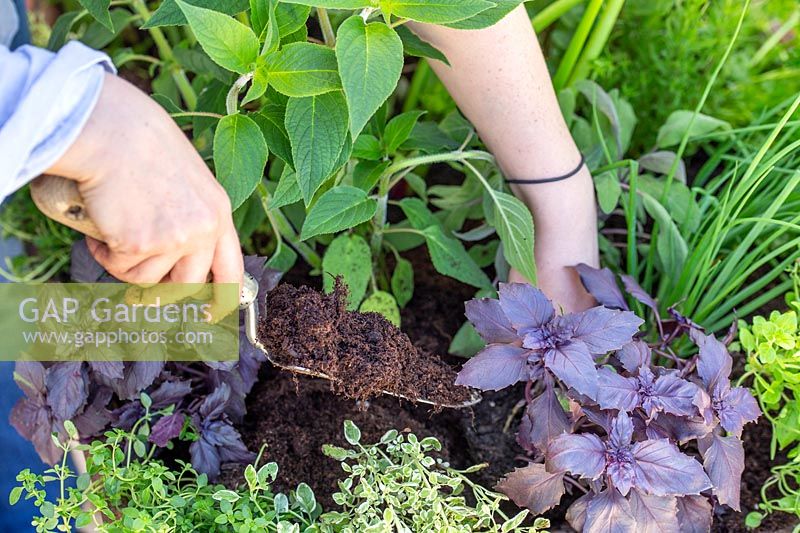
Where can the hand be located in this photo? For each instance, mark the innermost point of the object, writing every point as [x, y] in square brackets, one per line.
[163, 215]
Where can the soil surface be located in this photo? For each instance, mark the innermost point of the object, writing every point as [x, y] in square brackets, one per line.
[363, 352]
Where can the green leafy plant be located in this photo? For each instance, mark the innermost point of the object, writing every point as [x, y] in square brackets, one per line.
[397, 484]
[125, 489]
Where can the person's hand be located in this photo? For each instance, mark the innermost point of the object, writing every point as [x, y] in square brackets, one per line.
[162, 214]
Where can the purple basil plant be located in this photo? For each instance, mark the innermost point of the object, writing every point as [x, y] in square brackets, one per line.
[98, 395]
[602, 418]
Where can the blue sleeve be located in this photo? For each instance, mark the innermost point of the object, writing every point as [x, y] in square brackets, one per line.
[45, 100]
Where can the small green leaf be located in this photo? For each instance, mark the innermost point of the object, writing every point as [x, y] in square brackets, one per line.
[488, 17]
[418, 214]
[305, 497]
[231, 44]
[439, 12]
[608, 191]
[414, 46]
[145, 399]
[678, 125]
[399, 129]
[367, 147]
[169, 14]
[271, 119]
[72, 431]
[291, 17]
[514, 225]
[753, 519]
[240, 155]
[317, 128]
[225, 496]
[671, 247]
[403, 281]
[259, 83]
[350, 257]
[340, 208]
[367, 173]
[466, 342]
[303, 69]
[351, 432]
[370, 58]
[283, 259]
[98, 9]
[14, 496]
[451, 259]
[288, 191]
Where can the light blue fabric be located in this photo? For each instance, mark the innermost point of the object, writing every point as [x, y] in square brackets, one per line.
[45, 100]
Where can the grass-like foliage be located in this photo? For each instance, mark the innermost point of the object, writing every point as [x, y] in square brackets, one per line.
[610, 414]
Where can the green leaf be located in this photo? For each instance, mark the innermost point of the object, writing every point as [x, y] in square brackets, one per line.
[317, 128]
[414, 46]
[271, 119]
[303, 69]
[98, 9]
[403, 281]
[291, 17]
[678, 125]
[417, 213]
[259, 83]
[367, 173]
[225, 496]
[169, 14]
[514, 225]
[434, 11]
[351, 432]
[61, 29]
[384, 304]
[466, 342]
[451, 259]
[231, 44]
[399, 129]
[288, 191]
[13, 498]
[240, 155]
[283, 259]
[367, 147]
[348, 256]
[340, 208]
[332, 4]
[305, 497]
[370, 58]
[671, 247]
[197, 61]
[98, 35]
[608, 191]
[72, 431]
[488, 17]
[261, 12]
[753, 519]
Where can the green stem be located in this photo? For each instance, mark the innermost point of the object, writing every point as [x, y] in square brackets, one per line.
[567, 64]
[283, 229]
[165, 51]
[326, 27]
[418, 82]
[547, 16]
[232, 99]
[594, 47]
[195, 114]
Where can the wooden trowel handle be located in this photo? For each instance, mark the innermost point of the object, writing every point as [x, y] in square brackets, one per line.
[59, 199]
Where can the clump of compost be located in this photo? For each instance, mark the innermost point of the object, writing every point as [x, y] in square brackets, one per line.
[363, 352]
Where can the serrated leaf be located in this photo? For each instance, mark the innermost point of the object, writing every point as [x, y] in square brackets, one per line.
[370, 58]
[240, 155]
[288, 191]
[414, 46]
[514, 225]
[384, 304]
[303, 69]
[403, 281]
[317, 128]
[367, 173]
[291, 17]
[399, 129]
[451, 259]
[348, 256]
[231, 44]
[98, 9]
[271, 118]
[169, 14]
[341, 208]
[488, 17]
[435, 11]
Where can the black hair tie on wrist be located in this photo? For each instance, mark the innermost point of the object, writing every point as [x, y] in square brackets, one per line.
[551, 180]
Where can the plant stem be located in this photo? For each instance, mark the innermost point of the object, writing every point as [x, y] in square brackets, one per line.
[165, 50]
[283, 229]
[597, 41]
[232, 99]
[547, 16]
[567, 65]
[325, 26]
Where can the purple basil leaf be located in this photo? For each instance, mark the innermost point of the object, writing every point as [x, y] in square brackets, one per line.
[533, 487]
[621, 430]
[495, 367]
[95, 418]
[724, 462]
[609, 512]
[635, 290]
[619, 458]
[267, 278]
[214, 404]
[602, 284]
[704, 405]
[525, 306]
[674, 395]
[138, 376]
[228, 442]
[83, 266]
[167, 428]
[67, 389]
[544, 420]
[604, 330]
[662, 470]
[573, 364]
[679, 429]
[694, 514]
[617, 392]
[235, 407]
[583, 455]
[250, 360]
[170, 393]
[205, 457]
[30, 376]
[737, 408]
[491, 323]
[598, 417]
[109, 369]
[634, 355]
[34, 421]
[576, 514]
[714, 362]
[127, 415]
[654, 514]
